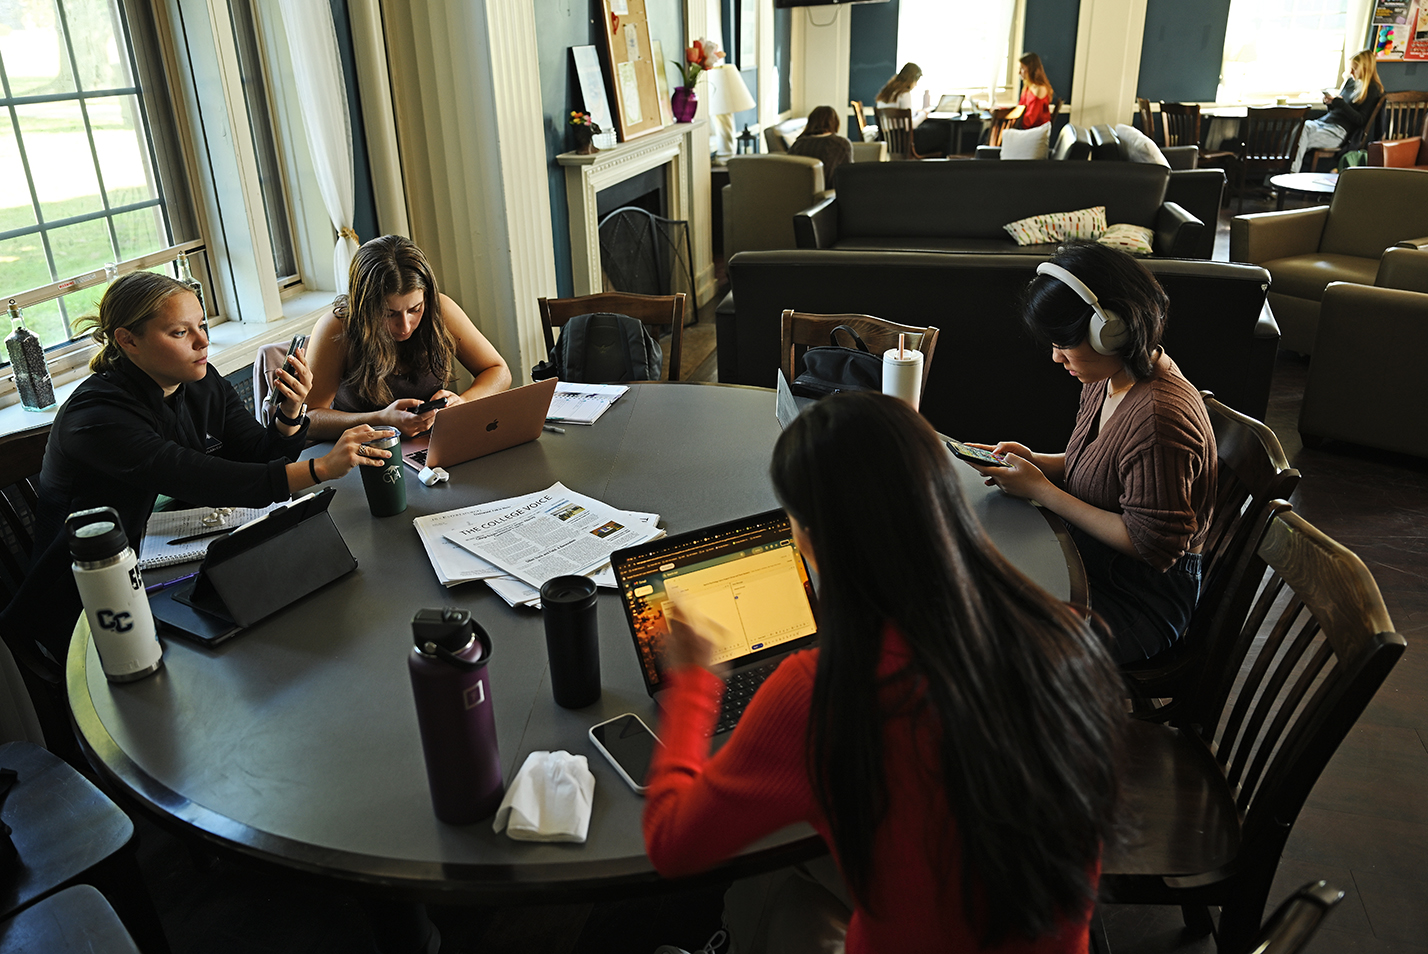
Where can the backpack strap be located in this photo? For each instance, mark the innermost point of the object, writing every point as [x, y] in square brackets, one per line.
[833, 338]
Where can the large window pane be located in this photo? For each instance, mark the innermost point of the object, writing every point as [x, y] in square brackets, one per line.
[33, 49]
[97, 32]
[81, 247]
[1289, 48]
[123, 153]
[140, 232]
[61, 165]
[16, 209]
[961, 47]
[22, 267]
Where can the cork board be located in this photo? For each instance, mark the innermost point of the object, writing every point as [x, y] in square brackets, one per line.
[632, 68]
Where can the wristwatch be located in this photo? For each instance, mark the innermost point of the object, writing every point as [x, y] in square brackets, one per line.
[298, 421]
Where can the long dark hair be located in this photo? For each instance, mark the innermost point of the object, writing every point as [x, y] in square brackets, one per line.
[1022, 695]
[902, 82]
[385, 266]
[1055, 314]
[823, 119]
[1035, 72]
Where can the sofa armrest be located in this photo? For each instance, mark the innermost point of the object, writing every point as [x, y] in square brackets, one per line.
[1266, 326]
[1182, 157]
[1403, 268]
[1418, 243]
[1265, 236]
[988, 152]
[870, 151]
[817, 225]
[1176, 231]
[726, 200]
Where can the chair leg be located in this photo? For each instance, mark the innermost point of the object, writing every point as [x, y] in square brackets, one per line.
[1197, 919]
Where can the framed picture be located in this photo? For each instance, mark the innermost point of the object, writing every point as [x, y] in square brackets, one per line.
[630, 58]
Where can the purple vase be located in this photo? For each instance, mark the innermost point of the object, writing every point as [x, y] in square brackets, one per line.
[684, 104]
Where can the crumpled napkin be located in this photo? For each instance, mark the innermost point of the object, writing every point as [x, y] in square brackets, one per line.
[549, 800]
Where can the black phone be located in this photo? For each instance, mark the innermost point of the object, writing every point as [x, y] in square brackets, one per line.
[629, 745]
[434, 404]
[975, 455]
[274, 395]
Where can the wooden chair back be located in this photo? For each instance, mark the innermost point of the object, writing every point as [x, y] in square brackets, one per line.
[1180, 123]
[802, 331]
[21, 456]
[659, 310]
[1401, 115]
[860, 118]
[1147, 120]
[1003, 118]
[1269, 138]
[895, 128]
[1055, 109]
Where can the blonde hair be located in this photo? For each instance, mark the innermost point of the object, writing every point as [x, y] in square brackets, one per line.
[903, 82]
[386, 266]
[1364, 60]
[128, 303]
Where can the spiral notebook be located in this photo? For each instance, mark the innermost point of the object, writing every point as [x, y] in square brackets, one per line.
[156, 551]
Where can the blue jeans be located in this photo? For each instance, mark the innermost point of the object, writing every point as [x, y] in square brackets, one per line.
[1145, 610]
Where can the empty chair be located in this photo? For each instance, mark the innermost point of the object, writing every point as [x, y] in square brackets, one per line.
[1293, 924]
[1003, 118]
[867, 130]
[1216, 794]
[76, 920]
[1180, 126]
[802, 331]
[1401, 115]
[1270, 138]
[1147, 120]
[762, 197]
[658, 310]
[21, 456]
[266, 363]
[895, 126]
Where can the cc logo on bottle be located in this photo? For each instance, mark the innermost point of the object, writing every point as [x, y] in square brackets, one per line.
[118, 622]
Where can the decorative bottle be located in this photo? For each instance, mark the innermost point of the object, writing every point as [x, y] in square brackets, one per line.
[27, 361]
[186, 276]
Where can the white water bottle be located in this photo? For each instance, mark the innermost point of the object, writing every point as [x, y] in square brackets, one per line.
[112, 590]
[902, 372]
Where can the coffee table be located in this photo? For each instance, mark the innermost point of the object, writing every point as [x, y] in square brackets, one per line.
[1309, 183]
[295, 744]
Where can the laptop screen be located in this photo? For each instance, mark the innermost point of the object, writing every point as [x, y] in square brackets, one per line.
[745, 575]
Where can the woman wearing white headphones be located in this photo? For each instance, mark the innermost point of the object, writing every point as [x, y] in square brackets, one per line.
[1137, 480]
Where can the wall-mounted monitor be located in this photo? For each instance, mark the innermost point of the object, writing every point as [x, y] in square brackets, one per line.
[783, 4]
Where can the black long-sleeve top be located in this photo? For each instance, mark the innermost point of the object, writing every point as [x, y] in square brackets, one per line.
[1350, 116]
[117, 442]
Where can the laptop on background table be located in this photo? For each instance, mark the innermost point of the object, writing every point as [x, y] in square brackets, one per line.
[484, 426]
[746, 575]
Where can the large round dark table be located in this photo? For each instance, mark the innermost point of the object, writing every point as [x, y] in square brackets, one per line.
[296, 743]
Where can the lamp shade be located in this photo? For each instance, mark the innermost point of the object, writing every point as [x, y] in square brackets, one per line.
[727, 92]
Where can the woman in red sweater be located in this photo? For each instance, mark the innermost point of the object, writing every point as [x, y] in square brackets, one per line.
[953, 739]
[1035, 92]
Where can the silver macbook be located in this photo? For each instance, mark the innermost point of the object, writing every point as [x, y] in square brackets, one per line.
[484, 426]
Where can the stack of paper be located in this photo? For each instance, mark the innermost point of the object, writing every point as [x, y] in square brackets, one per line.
[532, 538]
[582, 403]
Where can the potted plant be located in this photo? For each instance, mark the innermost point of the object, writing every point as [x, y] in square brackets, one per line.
[702, 55]
[584, 130]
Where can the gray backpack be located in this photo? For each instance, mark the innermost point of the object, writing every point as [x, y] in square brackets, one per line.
[602, 347]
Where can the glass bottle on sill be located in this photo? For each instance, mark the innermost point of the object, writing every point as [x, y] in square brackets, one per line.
[186, 276]
[27, 363]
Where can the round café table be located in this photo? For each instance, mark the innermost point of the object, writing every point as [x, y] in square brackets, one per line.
[1306, 183]
[295, 743]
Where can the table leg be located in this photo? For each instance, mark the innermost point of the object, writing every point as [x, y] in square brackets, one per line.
[1279, 206]
[401, 927]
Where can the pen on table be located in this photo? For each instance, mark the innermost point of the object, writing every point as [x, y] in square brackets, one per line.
[149, 590]
[200, 536]
[552, 428]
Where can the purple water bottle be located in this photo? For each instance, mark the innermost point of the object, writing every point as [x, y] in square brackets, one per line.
[453, 704]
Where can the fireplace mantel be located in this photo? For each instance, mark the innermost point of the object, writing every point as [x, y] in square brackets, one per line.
[672, 147]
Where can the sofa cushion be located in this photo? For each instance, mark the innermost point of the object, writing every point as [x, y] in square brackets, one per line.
[1027, 143]
[1136, 146]
[1058, 226]
[1373, 209]
[1402, 153]
[1001, 245]
[1304, 276]
[1134, 239]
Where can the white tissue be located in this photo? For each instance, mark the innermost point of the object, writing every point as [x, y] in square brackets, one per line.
[549, 800]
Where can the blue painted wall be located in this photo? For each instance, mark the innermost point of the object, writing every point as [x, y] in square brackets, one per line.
[1050, 33]
[561, 24]
[1181, 50]
[872, 52]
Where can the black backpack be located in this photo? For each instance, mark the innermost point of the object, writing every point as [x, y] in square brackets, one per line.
[602, 347]
[835, 368]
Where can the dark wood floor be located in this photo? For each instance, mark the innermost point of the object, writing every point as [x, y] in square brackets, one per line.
[1365, 827]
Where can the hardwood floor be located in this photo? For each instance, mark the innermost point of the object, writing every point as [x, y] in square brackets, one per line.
[1364, 828]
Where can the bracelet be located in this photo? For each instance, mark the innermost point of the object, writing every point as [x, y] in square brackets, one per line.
[312, 469]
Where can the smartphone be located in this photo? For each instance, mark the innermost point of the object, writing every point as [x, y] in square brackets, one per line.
[432, 405]
[629, 745]
[274, 395]
[975, 455]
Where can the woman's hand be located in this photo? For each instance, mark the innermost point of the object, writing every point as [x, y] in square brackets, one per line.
[687, 644]
[349, 452]
[1020, 478]
[452, 399]
[399, 414]
[293, 386]
[1006, 447]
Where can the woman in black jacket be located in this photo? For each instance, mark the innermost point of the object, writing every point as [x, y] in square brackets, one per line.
[1348, 111]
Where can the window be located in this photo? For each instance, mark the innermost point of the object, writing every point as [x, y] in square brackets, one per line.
[1283, 48]
[961, 47]
[78, 186]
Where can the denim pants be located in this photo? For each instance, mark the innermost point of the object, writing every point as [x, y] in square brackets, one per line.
[1145, 610]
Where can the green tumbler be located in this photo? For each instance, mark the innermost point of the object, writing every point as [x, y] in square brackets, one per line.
[386, 486]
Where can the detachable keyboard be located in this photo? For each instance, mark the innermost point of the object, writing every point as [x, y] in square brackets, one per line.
[738, 690]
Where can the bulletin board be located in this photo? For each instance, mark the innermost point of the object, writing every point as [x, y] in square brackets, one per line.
[632, 68]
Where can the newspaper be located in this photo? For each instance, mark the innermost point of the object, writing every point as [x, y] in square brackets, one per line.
[551, 533]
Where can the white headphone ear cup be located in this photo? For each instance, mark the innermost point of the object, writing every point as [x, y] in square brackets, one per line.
[1110, 335]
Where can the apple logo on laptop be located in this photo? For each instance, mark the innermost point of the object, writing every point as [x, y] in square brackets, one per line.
[492, 426]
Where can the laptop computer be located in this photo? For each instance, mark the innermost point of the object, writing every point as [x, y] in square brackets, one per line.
[484, 426]
[746, 575]
[950, 103]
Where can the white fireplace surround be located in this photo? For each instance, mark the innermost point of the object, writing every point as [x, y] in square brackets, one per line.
[674, 148]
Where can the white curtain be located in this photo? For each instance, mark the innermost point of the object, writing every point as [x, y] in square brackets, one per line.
[317, 70]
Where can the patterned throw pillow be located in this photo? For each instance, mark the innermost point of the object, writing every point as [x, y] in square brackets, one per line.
[1058, 226]
[1135, 239]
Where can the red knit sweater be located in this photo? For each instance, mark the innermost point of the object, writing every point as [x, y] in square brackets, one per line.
[701, 810]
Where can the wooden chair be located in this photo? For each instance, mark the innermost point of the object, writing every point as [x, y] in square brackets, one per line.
[658, 310]
[1215, 794]
[76, 920]
[1405, 106]
[869, 131]
[1253, 482]
[802, 331]
[1401, 115]
[1147, 120]
[1003, 118]
[21, 456]
[1293, 924]
[895, 127]
[1271, 136]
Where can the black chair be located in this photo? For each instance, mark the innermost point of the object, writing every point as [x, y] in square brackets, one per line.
[76, 920]
[66, 832]
[646, 254]
[21, 456]
[1270, 138]
[658, 310]
[1215, 794]
[1293, 924]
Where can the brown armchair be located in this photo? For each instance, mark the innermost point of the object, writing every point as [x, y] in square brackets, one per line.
[1306, 249]
[763, 194]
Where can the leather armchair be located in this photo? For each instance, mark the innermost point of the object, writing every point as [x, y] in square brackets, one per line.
[870, 151]
[763, 194]
[1305, 249]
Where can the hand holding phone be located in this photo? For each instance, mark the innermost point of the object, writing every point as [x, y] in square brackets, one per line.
[975, 455]
[629, 745]
[274, 395]
[435, 404]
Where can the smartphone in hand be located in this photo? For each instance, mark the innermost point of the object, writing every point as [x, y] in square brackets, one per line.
[274, 395]
[975, 455]
[435, 404]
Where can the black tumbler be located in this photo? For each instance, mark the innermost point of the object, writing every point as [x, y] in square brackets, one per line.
[572, 640]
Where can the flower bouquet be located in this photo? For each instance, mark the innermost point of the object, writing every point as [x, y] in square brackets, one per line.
[584, 129]
[702, 55]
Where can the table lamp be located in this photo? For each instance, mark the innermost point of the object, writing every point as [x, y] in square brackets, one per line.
[727, 95]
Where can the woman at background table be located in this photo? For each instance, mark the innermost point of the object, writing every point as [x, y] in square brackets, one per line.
[955, 824]
[1036, 92]
[926, 138]
[1348, 111]
[392, 343]
[156, 418]
[820, 140]
[1136, 483]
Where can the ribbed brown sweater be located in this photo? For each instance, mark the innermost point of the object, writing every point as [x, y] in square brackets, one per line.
[1154, 463]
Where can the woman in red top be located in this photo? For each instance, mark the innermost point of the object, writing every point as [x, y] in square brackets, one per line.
[1036, 92]
[953, 739]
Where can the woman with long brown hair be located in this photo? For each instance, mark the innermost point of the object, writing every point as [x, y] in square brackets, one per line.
[820, 140]
[393, 342]
[1036, 92]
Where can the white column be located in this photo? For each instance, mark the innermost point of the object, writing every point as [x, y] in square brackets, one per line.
[469, 123]
[820, 44]
[1108, 41]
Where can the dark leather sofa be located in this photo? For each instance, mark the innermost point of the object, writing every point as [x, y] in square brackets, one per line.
[962, 206]
[989, 380]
